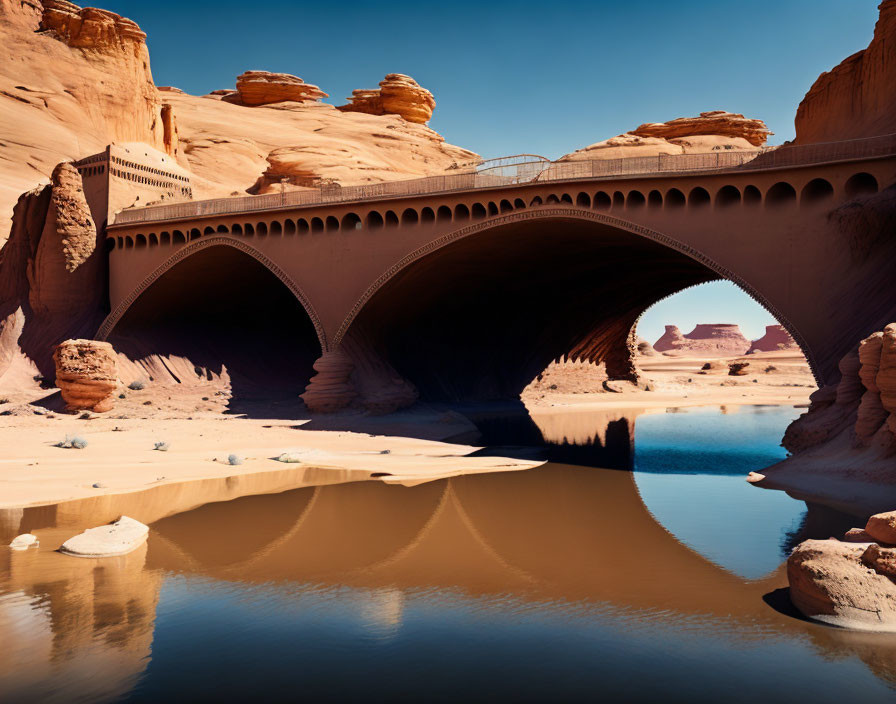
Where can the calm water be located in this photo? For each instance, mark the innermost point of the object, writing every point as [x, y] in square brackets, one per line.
[563, 583]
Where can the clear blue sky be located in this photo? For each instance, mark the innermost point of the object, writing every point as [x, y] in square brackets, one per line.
[536, 77]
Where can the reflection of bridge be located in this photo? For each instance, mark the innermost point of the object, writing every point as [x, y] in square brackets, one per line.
[468, 284]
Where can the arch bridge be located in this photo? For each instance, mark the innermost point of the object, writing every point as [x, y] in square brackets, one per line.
[468, 284]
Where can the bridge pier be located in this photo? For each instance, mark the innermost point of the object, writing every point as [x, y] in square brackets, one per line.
[330, 389]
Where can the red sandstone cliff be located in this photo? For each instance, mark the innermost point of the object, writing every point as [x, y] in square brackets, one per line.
[856, 98]
[705, 340]
[775, 338]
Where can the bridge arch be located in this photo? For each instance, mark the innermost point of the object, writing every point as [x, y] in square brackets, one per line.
[514, 279]
[860, 184]
[112, 319]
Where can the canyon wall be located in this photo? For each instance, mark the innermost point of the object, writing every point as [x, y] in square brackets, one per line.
[705, 340]
[856, 98]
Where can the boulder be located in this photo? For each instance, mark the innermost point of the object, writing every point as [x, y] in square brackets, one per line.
[256, 88]
[843, 584]
[86, 374]
[398, 94]
[714, 122]
[882, 527]
[24, 541]
[118, 538]
[738, 368]
[776, 338]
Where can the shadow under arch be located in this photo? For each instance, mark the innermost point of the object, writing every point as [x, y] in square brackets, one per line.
[489, 312]
[219, 308]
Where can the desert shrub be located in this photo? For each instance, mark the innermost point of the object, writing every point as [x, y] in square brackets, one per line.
[73, 441]
[137, 385]
[161, 446]
[234, 459]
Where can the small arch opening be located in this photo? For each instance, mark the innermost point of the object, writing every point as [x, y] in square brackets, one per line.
[654, 199]
[479, 210]
[566, 198]
[332, 223]
[818, 190]
[153, 239]
[302, 226]
[780, 195]
[861, 184]
[698, 197]
[618, 200]
[165, 238]
[635, 200]
[427, 215]
[374, 220]
[553, 199]
[409, 217]
[250, 229]
[536, 201]
[351, 221]
[317, 225]
[727, 197]
[391, 218]
[492, 209]
[178, 237]
[505, 206]
[129, 242]
[141, 241]
[752, 195]
[262, 229]
[194, 234]
[276, 228]
[236, 229]
[674, 199]
[602, 201]
[208, 231]
[461, 212]
[289, 227]
[583, 200]
[519, 203]
[443, 214]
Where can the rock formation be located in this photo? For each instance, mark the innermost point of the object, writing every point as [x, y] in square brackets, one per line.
[705, 340]
[857, 98]
[847, 584]
[330, 389]
[398, 95]
[87, 374]
[710, 131]
[256, 88]
[72, 80]
[882, 527]
[775, 338]
[119, 538]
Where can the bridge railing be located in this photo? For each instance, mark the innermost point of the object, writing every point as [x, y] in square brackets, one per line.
[526, 169]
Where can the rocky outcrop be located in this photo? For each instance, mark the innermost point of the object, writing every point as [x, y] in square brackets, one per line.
[776, 338]
[857, 98]
[715, 123]
[882, 527]
[705, 340]
[87, 374]
[119, 538]
[257, 88]
[330, 388]
[846, 584]
[72, 81]
[398, 95]
[717, 130]
[64, 275]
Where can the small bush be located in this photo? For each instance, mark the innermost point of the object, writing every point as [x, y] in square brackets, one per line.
[161, 446]
[73, 441]
[234, 459]
[137, 386]
[4, 400]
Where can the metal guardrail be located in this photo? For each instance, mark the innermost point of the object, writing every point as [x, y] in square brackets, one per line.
[527, 168]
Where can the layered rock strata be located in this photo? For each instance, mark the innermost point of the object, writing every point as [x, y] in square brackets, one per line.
[87, 374]
[257, 88]
[856, 98]
[716, 130]
[706, 339]
[398, 95]
[330, 389]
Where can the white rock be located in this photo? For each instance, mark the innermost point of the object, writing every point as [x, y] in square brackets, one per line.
[117, 538]
[24, 541]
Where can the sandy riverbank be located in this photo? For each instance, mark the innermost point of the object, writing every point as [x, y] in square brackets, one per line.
[409, 447]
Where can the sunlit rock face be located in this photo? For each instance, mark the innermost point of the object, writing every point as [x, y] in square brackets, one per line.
[716, 130]
[856, 98]
[398, 95]
[255, 88]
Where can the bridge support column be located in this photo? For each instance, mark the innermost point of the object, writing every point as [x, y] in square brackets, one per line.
[331, 388]
[620, 360]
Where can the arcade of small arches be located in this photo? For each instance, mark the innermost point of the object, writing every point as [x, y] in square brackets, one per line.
[783, 194]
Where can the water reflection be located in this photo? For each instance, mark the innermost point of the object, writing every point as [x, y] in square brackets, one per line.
[557, 582]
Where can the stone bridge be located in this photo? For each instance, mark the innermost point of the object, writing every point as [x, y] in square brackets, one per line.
[469, 284]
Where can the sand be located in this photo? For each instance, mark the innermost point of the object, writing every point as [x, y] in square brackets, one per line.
[409, 447]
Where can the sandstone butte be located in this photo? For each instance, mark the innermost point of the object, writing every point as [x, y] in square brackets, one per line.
[710, 131]
[74, 80]
[706, 339]
[87, 374]
[857, 98]
[255, 88]
[775, 338]
[397, 95]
